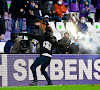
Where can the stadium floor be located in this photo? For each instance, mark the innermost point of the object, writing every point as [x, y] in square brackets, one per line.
[58, 87]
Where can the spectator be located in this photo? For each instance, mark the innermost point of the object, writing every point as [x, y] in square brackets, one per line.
[44, 24]
[97, 6]
[66, 42]
[16, 10]
[85, 11]
[10, 43]
[81, 26]
[82, 1]
[74, 48]
[37, 30]
[32, 12]
[49, 9]
[39, 3]
[3, 12]
[52, 11]
[40, 7]
[60, 10]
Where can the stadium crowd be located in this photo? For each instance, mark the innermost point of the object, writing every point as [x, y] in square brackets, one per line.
[38, 14]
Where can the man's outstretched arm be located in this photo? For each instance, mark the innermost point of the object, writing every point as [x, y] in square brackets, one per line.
[37, 37]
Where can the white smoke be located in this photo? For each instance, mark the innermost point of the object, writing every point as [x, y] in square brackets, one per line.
[89, 41]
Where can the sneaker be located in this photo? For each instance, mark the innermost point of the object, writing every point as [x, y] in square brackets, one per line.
[50, 84]
[33, 84]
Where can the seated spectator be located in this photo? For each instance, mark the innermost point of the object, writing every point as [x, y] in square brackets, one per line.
[10, 43]
[85, 11]
[44, 24]
[31, 13]
[36, 30]
[40, 7]
[60, 11]
[74, 48]
[49, 9]
[81, 26]
[66, 42]
[39, 3]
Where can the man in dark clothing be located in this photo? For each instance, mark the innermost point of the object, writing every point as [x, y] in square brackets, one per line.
[3, 12]
[74, 48]
[37, 30]
[39, 3]
[49, 9]
[97, 6]
[66, 42]
[10, 43]
[8, 46]
[46, 42]
[17, 10]
[31, 13]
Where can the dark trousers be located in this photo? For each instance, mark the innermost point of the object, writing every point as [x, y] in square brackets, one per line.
[97, 15]
[20, 24]
[44, 61]
[2, 25]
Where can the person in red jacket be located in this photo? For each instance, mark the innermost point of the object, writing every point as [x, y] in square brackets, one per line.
[61, 10]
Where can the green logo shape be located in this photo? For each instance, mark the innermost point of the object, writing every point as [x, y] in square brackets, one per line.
[89, 16]
[60, 26]
[9, 5]
[96, 26]
[26, 36]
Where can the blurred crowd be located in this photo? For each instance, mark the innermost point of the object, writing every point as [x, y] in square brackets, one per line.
[38, 14]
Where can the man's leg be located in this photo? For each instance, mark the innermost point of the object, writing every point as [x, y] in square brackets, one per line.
[20, 24]
[39, 60]
[65, 18]
[43, 67]
[58, 19]
[28, 29]
[2, 22]
[13, 25]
